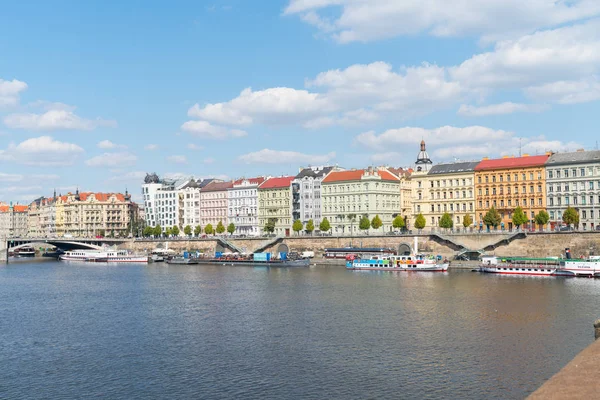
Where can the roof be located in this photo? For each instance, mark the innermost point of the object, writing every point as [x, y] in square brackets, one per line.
[206, 182]
[576, 157]
[400, 172]
[19, 208]
[512, 162]
[311, 173]
[99, 196]
[253, 181]
[453, 168]
[356, 175]
[191, 184]
[277, 182]
[217, 186]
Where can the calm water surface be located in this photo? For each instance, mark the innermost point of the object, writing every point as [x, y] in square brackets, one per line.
[129, 332]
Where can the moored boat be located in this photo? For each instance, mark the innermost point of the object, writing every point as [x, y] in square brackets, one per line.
[415, 262]
[26, 251]
[108, 256]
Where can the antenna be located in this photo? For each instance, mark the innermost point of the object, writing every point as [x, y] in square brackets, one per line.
[519, 147]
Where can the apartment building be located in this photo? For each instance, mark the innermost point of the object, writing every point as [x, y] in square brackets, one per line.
[214, 207]
[307, 186]
[275, 202]
[162, 201]
[13, 220]
[242, 202]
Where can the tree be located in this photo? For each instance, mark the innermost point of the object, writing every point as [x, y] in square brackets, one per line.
[208, 229]
[364, 224]
[148, 231]
[446, 221]
[376, 222]
[398, 222]
[420, 222]
[197, 230]
[324, 226]
[101, 232]
[310, 226]
[220, 227]
[270, 225]
[157, 230]
[570, 216]
[297, 226]
[492, 218]
[187, 230]
[542, 218]
[467, 221]
[352, 219]
[519, 218]
[168, 232]
[231, 228]
[175, 230]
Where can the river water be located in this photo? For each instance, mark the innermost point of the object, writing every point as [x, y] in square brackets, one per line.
[71, 331]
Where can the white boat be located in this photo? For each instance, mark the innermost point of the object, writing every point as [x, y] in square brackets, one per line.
[109, 256]
[552, 266]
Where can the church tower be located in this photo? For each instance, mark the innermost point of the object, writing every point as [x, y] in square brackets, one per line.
[423, 161]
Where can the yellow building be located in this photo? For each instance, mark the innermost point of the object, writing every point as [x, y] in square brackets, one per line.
[275, 203]
[508, 183]
[445, 188]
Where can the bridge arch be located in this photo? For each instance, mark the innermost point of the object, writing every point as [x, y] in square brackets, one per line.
[404, 249]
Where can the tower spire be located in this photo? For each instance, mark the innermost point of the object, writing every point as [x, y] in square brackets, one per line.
[423, 162]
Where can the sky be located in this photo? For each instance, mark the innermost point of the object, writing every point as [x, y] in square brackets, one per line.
[95, 94]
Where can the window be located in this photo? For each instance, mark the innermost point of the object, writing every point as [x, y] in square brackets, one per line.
[566, 172]
[531, 176]
[516, 177]
[558, 173]
[551, 200]
[550, 174]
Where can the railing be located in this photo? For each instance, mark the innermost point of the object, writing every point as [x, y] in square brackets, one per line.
[268, 243]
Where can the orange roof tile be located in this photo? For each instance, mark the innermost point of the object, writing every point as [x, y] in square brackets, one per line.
[512, 162]
[341, 176]
[277, 183]
[217, 186]
[254, 181]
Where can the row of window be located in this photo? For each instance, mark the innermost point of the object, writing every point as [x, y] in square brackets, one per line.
[558, 201]
[575, 186]
[572, 172]
[509, 190]
[509, 203]
[355, 187]
[507, 177]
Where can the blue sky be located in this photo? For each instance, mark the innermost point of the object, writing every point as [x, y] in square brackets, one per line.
[94, 94]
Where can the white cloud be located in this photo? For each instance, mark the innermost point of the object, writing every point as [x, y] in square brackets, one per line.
[42, 151]
[9, 92]
[206, 130]
[209, 160]
[567, 92]
[500, 109]
[177, 159]
[107, 144]
[4, 177]
[112, 160]
[194, 146]
[54, 120]
[151, 147]
[369, 20]
[131, 176]
[268, 156]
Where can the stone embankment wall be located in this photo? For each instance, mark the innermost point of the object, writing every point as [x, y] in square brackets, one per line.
[538, 245]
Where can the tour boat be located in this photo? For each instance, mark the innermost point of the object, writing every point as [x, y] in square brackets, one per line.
[110, 256]
[26, 251]
[411, 262]
[553, 266]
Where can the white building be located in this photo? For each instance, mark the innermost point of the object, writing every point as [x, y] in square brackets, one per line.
[573, 179]
[189, 203]
[306, 192]
[242, 202]
[162, 201]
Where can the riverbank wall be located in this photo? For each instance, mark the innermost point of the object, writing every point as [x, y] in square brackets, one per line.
[530, 245]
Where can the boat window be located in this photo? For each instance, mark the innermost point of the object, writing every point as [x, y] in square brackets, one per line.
[511, 269]
[529, 269]
[535, 269]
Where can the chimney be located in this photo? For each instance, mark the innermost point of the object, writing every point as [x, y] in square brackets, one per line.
[525, 155]
[485, 158]
[580, 150]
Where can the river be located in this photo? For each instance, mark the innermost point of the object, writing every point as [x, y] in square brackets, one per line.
[70, 331]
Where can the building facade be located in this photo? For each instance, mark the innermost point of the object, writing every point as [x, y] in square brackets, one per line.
[214, 203]
[508, 183]
[275, 203]
[162, 201]
[13, 220]
[242, 204]
[445, 188]
[307, 204]
[347, 196]
[189, 204]
[405, 176]
[573, 179]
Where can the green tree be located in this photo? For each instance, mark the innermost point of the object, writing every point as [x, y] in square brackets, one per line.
[446, 221]
[208, 229]
[420, 222]
[352, 219]
[148, 231]
[220, 228]
[492, 218]
[187, 230]
[519, 218]
[310, 226]
[324, 226]
[398, 222]
[542, 218]
[376, 222]
[270, 225]
[231, 228]
[467, 221]
[197, 230]
[175, 230]
[157, 230]
[168, 232]
[570, 216]
[297, 226]
[364, 224]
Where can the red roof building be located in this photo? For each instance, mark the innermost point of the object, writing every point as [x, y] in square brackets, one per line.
[277, 182]
[512, 162]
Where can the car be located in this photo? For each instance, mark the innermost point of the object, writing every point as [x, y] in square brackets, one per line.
[566, 228]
